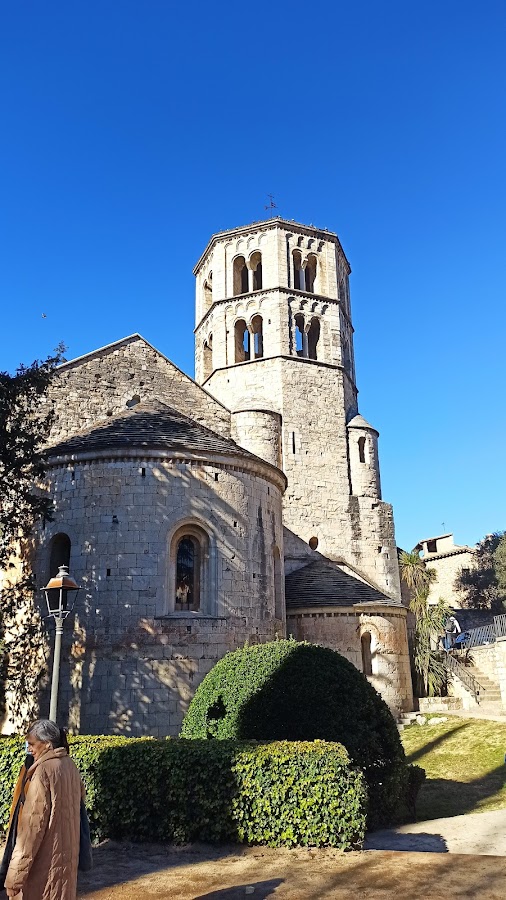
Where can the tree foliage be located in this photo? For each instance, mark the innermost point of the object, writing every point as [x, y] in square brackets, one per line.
[484, 586]
[25, 422]
[429, 622]
[26, 415]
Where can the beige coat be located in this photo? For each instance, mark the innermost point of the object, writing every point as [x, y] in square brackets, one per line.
[45, 857]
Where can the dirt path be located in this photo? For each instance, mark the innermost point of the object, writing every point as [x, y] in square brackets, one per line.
[200, 872]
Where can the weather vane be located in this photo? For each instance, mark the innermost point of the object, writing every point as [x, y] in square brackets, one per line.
[271, 205]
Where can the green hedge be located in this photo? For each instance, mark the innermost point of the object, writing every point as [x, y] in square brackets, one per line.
[280, 794]
[286, 690]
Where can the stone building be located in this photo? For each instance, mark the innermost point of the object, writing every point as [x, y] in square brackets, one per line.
[241, 506]
[447, 560]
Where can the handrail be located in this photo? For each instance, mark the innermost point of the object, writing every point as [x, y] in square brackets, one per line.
[479, 637]
[500, 626]
[468, 680]
[485, 634]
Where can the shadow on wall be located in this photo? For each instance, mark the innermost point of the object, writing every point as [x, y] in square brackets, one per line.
[116, 659]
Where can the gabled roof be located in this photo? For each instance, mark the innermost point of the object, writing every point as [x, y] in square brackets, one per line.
[323, 583]
[152, 425]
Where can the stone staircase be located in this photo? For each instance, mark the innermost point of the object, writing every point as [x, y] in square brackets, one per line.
[490, 694]
[405, 718]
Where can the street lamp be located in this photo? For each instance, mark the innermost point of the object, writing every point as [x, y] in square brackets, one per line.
[60, 592]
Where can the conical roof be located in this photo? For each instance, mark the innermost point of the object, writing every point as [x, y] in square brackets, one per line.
[358, 421]
[152, 425]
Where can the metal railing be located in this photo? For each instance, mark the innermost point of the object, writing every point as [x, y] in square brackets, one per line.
[480, 637]
[500, 626]
[465, 677]
[485, 634]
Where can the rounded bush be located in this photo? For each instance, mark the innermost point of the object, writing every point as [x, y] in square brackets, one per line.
[285, 690]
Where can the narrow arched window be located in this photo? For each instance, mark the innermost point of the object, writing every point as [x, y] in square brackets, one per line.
[188, 565]
[208, 292]
[242, 341]
[258, 339]
[365, 642]
[313, 337]
[310, 273]
[298, 272]
[59, 553]
[299, 335]
[361, 449]
[240, 276]
[256, 268]
[208, 356]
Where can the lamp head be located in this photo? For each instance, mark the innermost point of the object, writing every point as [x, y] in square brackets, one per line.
[61, 592]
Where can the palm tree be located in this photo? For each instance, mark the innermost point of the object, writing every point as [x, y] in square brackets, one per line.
[429, 621]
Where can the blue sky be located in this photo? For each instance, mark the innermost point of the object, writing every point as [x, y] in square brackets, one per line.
[131, 131]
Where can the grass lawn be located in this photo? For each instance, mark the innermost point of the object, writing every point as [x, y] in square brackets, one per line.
[464, 762]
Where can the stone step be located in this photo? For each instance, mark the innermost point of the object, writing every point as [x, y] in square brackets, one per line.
[405, 718]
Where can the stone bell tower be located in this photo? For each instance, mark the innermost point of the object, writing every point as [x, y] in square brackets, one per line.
[274, 344]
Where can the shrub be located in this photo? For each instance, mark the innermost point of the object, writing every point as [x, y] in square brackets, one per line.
[281, 794]
[286, 690]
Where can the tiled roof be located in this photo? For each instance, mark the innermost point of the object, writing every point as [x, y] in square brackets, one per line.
[153, 426]
[323, 583]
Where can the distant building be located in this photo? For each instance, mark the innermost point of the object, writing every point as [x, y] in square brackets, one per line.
[448, 560]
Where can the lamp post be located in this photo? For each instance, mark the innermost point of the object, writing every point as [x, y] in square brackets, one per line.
[60, 592]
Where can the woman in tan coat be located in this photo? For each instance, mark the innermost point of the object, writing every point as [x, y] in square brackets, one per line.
[46, 853]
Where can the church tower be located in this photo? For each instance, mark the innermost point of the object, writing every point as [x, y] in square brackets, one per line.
[274, 344]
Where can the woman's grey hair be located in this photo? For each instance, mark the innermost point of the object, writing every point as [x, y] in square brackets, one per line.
[46, 731]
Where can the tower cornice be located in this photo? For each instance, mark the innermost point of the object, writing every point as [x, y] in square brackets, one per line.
[268, 225]
[290, 292]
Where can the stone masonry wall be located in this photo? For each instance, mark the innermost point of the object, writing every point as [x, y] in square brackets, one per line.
[342, 631]
[102, 384]
[317, 502]
[447, 568]
[134, 662]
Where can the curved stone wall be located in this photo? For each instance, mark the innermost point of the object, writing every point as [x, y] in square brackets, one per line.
[343, 629]
[259, 431]
[134, 662]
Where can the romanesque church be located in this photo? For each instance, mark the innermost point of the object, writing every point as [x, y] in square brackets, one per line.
[243, 505]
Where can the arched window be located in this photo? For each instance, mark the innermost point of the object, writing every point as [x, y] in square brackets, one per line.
[242, 341]
[59, 553]
[188, 567]
[208, 356]
[313, 337]
[240, 276]
[310, 273]
[365, 642]
[258, 340]
[208, 292]
[256, 268]
[298, 271]
[362, 449]
[299, 334]
[191, 586]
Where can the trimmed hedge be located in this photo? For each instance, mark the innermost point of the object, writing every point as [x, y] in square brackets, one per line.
[280, 794]
[285, 690]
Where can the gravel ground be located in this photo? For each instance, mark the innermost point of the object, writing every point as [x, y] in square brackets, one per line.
[201, 872]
